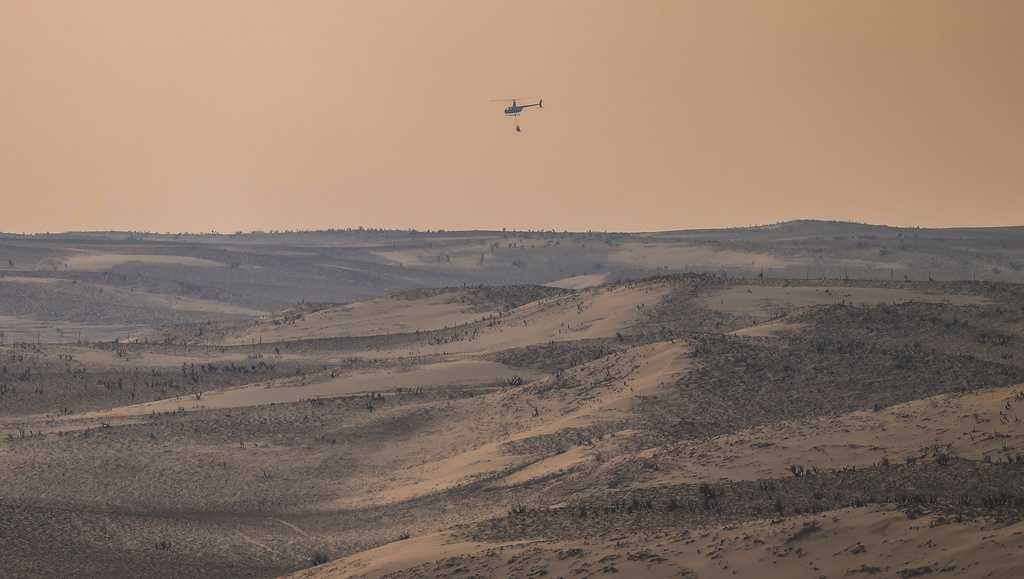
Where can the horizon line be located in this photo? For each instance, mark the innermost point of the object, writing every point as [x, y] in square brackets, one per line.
[371, 229]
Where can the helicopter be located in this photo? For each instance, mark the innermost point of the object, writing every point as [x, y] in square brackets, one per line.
[515, 109]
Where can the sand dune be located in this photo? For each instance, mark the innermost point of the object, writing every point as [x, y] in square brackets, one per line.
[400, 556]
[638, 371]
[368, 318]
[526, 430]
[847, 542]
[976, 426]
[438, 375]
[600, 312]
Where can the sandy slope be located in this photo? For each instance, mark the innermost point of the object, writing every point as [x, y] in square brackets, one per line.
[844, 543]
[463, 451]
[767, 329]
[396, 557]
[458, 372]
[974, 426]
[580, 281]
[367, 318]
[637, 372]
[599, 312]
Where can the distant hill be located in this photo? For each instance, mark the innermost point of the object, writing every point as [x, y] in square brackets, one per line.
[270, 271]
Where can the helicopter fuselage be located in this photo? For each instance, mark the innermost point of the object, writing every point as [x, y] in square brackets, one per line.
[515, 109]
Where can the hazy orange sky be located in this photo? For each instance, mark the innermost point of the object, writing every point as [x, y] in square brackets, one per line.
[248, 114]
